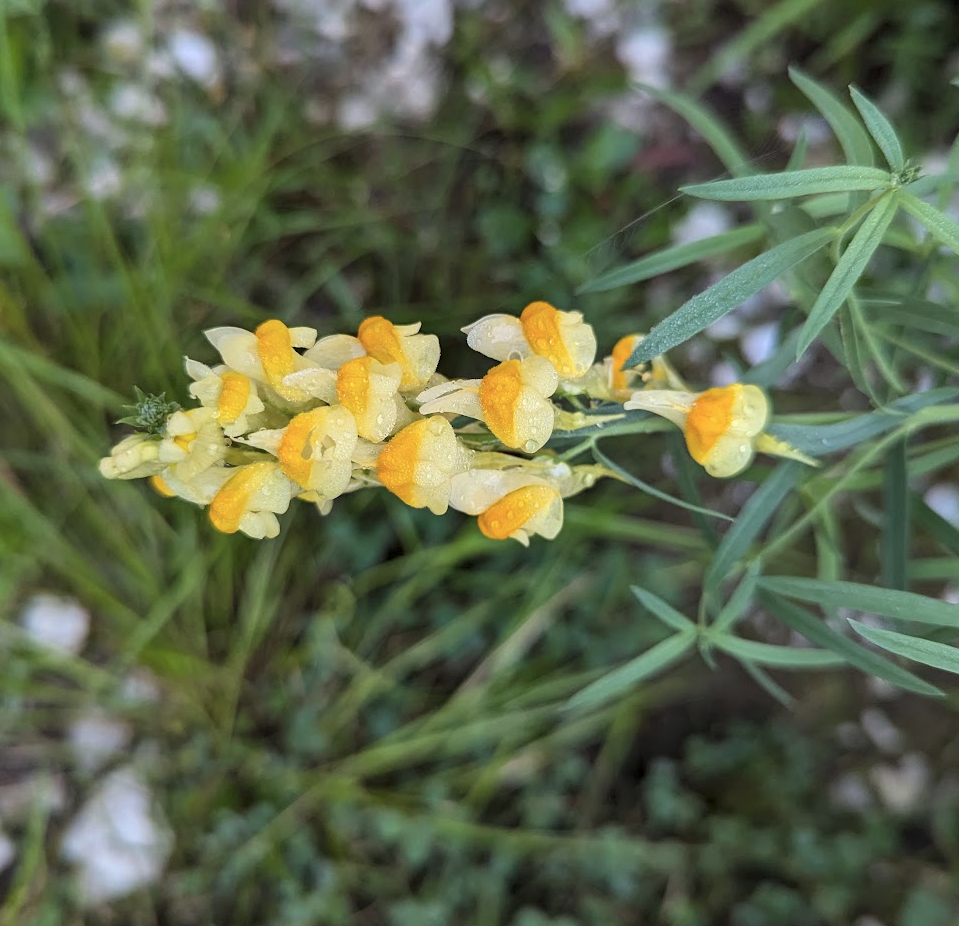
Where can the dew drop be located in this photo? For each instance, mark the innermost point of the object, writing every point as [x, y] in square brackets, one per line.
[529, 446]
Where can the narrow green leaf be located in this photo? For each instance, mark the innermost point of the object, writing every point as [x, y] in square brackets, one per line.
[671, 258]
[933, 569]
[771, 687]
[885, 602]
[760, 29]
[755, 515]
[852, 137]
[627, 676]
[871, 338]
[638, 483]
[739, 600]
[849, 269]
[799, 153]
[895, 518]
[662, 610]
[819, 439]
[852, 351]
[845, 178]
[819, 632]
[715, 134]
[935, 524]
[939, 224]
[770, 372]
[880, 129]
[928, 652]
[769, 654]
[921, 314]
[732, 290]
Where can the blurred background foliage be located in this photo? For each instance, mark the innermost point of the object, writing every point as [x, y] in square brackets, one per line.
[360, 722]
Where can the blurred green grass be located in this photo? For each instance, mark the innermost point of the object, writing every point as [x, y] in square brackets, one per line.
[361, 720]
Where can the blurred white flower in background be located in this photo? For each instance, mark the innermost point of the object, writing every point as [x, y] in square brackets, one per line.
[118, 841]
[56, 623]
[7, 850]
[95, 737]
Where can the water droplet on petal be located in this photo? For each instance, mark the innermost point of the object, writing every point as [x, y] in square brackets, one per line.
[529, 446]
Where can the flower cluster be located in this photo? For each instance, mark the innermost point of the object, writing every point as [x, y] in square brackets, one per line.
[287, 416]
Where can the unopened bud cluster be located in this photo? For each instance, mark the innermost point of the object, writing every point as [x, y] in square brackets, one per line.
[288, 416]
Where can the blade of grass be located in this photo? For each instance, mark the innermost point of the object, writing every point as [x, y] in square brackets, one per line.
[674, 257]
[759, 32]
[716, 135]
[894, 544]
[645, 487]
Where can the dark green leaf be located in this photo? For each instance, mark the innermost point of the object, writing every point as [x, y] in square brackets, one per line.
[722, 297]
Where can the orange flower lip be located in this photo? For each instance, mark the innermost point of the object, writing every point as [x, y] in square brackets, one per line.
[516, 510]
[709, 419]
[233, 397]
[499, 392]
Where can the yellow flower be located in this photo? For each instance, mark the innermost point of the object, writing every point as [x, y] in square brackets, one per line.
[193, 441]
[134, 457]
[418, 463]
[512, 398]
[232, 395]
[251, 498]
[267, 355]
[721, 425]
[416, 354]
[510, 503]
[369, 389]
[563, 338]
[534, 509]
[200, 490]
[316, 450]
